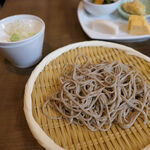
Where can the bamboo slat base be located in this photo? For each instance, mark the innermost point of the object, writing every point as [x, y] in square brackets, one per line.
[75, 137]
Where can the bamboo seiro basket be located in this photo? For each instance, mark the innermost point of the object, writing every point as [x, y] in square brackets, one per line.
[59, 134]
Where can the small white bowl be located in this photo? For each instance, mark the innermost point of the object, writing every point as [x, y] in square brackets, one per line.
[126, 14]
[24, 53]
[100, 10]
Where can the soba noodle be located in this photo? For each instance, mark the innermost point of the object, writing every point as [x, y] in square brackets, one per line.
[96, 95]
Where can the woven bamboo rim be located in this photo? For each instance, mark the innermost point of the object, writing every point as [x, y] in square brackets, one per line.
[58, 134]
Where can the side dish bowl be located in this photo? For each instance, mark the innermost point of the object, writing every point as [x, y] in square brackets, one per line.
[24, 53]
[100, 9]
[126, 15]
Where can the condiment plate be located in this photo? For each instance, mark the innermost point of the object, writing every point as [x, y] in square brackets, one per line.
[126, 15]
[85, 20]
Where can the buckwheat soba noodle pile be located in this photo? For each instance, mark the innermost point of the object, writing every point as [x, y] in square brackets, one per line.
[97, 95]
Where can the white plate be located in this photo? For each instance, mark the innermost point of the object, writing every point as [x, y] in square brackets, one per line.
[85, 20]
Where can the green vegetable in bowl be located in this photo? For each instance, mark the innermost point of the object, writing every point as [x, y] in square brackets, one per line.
[107, 1]
[15, 37]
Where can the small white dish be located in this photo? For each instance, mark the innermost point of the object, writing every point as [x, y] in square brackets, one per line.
[100, 10]
[85, 20]
[126, 15]
[24, 53]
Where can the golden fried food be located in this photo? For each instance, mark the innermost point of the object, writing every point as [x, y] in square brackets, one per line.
[135, 7]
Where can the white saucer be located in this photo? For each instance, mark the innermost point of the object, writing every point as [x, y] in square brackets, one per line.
[85, 20]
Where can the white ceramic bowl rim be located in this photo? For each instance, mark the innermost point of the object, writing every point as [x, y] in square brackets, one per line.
[23, 16]
[98, 5]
